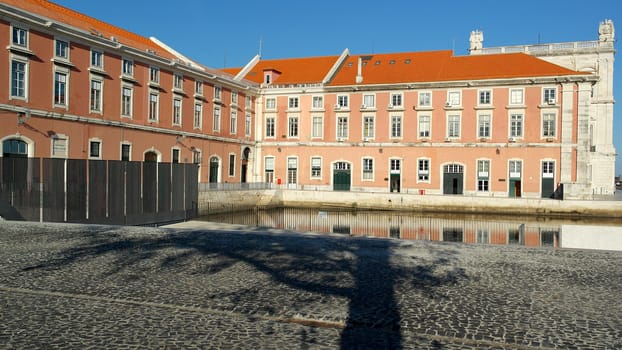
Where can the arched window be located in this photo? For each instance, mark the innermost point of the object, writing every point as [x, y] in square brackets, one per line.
[14, 148]
[151, 156]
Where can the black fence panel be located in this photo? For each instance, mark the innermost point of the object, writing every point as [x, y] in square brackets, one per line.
[54, 189]
[164, 187]
[192, 190]
[150, 187]
[116, 193]
[133, 202]
[177, 182]
[97, 190]
[76, 190]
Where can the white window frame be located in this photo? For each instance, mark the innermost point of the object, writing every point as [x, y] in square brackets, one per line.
[480, 117]
[293, 103]
[454, 98]
[216, 116]
[423, 173]
[451, 133]
[129, 153]
[487, 99]
[516, 96]
[26, 36]
[233, 122]
[513, 124]
[270, 103]
[317, 129]
[65, 73]
[369, 101]
[56, 138]
[217, 93]
[100, 105]
[197, 121]
[396, 128]
[154, 75]
[316, 167]
[551, 131]
[343, 101]
[396, 100]
[483, 174]
[421, 123]
[270, 127]
[269, 165]
[99, 148]
[130, 88]
[368, 129]
[153, 106]
[424, 99]
[198, 87]
[97, 59]
[24, 79]
[293, 126]
[549, 95]
[247, 124]
[178, 82]
[177, 110]
[317, 102]
[342, 127]
[234, 98]
[62, 49]
[127, 67]
[232, 164]
[367, 173]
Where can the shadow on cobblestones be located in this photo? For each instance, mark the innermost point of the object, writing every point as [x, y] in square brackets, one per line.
[359, 271]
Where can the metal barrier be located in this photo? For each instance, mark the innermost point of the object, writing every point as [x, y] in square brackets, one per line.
[97, 191]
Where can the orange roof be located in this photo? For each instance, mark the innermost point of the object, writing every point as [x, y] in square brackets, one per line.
[67, 16]
[434, 66]
[305, 70]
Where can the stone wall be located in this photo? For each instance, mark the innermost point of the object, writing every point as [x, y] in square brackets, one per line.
[222, 201]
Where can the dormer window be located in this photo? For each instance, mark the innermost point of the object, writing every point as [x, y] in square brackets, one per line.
[267, 79]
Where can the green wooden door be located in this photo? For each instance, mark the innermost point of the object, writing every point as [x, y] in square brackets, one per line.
[213, 170]
[341, 180]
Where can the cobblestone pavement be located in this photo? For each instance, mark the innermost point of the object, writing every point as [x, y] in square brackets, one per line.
[221, 287]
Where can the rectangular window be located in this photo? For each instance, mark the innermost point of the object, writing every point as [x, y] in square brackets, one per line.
[396, 126]
[269, 169]
[342, 127]
[292, 171]
[424, 126]
[292, 103]
[317, 127]
[316, 167]
[548, 169]
[368, 169]
[485, 97]
[233, 128]
[453, 126]
[270, 126]
[483, 126]
[425, 99]
[248, 103]
[234, 97]
[483, 175]
[154, 75]
[126, 101]
[178, 81]
[198, 87]
[247, 124]
[20, 37]
[216, 121]
[177, 111]
[125, 152]
[175, 156]
[153, 106]
[97, 59]
[549, 95]
[342, 101]
[270, 103]
[59, 147]
[423, 170]
[217, 92]
[18, 79]
[292, 126]
[453, 98]
[232, 165]
[318, 102]
[516, 125]
[369, 127]
[60, 89]
[62, 49]
[516, 96]
[127, 67]
[96, 96]
[396, 100]
[548, 125]
[196, 156]
[369, 101]
[516, 169]
[396, 166]
[95, 149]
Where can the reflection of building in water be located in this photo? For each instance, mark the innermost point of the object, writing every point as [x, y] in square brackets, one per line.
[402, 225]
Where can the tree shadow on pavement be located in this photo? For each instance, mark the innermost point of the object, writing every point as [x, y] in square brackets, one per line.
[303, 270]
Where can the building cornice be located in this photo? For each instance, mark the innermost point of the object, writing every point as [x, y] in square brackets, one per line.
[113, 123]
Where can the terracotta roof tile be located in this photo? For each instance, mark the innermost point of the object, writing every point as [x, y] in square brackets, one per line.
[307, 70]
[434, 66]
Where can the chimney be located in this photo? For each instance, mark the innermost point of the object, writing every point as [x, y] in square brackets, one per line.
[359, 72]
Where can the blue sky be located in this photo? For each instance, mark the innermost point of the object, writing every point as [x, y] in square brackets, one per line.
[227, 33]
